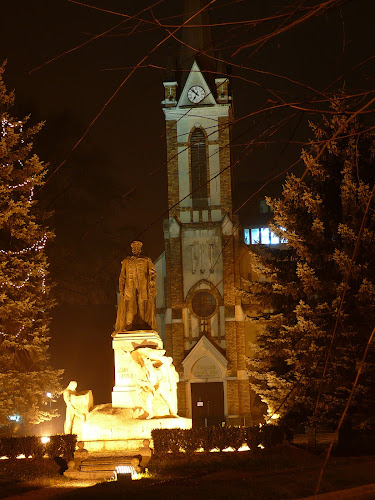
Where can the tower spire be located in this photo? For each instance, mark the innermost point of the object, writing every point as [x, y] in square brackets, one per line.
[196, 37]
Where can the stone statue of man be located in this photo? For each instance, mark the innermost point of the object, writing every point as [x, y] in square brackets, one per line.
[137, 285]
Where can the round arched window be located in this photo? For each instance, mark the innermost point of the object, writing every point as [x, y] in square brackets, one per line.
[203, 304]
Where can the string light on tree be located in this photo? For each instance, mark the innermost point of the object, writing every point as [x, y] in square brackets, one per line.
[41, 272]
[37, 246]
[25, 301]
[6, 123]
[21, 184]
[31, 195]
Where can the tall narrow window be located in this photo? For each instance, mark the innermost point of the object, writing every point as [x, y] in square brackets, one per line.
[199, 178]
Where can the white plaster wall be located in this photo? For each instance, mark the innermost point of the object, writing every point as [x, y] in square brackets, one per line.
[160, 275]
[184, 127]
[184, 176]
[194, 327]
[200, 239]
[203, 117]
[196, 114]
[214, 170]
[215, 326]
[187, 119]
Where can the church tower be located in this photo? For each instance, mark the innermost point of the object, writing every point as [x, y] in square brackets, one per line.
[199, 310]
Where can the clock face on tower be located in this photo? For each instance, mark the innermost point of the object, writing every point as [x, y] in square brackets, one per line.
[196, 94]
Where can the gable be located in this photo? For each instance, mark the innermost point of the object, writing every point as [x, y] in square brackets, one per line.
[204, 352]
[196, 78]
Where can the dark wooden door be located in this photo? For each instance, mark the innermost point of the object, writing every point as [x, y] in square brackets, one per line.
[207, 401]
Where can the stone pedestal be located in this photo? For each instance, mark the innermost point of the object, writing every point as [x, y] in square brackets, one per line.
[113, 429]
[125, 390]
[143, 397]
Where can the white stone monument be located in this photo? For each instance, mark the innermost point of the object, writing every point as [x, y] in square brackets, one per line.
[144, 396]
[124, 393]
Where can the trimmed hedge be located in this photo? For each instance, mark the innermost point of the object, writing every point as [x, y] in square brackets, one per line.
[59, 445]
[208, 438]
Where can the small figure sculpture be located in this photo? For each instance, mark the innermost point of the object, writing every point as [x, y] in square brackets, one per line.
[147, 381]
[168, 378]
[137, 285]
[78, 406]
[157, 383]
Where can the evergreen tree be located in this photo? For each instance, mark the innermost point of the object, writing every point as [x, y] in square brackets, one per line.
[304, 363]
[25, 374]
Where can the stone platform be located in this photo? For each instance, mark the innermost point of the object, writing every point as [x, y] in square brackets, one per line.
[102, 468]
[107, 465]
[113, 429]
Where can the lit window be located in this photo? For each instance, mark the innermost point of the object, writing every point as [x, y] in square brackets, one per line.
[274, 239]
[15, 418]
[255, 236]
[283, 240]
[262, 235]
[265, 236]
[246, 236]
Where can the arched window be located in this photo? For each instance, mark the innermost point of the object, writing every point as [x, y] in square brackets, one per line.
[199, 178]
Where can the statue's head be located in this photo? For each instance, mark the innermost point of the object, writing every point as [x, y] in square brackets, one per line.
[72, 385]
[136, 247]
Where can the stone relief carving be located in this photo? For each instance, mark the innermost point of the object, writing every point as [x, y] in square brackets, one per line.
[156, 384]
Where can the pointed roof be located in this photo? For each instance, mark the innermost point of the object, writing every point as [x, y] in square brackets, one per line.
[205, 348]
[196, 37]
[195, 77]
[170, 73]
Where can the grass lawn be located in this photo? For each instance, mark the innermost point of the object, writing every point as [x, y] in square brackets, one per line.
[284, 472]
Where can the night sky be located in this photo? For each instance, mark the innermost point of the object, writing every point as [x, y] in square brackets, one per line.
[94, 219]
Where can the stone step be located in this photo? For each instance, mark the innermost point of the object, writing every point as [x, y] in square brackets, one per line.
[90, 475]
[108, 463]
[103, 460]
[116, 454]
[100, 467]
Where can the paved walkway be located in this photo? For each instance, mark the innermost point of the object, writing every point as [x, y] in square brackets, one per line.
[365, 492]
[42, 493]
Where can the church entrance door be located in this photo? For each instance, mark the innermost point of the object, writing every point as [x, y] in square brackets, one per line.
[207, 401]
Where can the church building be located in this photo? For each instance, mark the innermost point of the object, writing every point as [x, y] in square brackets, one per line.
[199, 311]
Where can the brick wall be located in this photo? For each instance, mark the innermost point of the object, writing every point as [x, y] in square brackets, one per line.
[172, 158]
[228, 270]
[244, 397]
[231, 347]
[232, 397]
[178, 351]
[224, 158]
[181, 399]
[241, 345]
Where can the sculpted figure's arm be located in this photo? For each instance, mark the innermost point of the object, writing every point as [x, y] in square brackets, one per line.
[67, 395]
[121, 283]
[151, 278]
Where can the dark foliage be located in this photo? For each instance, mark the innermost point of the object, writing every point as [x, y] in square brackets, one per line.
[58, 446]
[208, 438]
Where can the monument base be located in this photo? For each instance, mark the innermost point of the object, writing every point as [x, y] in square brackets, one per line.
[113, 429]
[124, 394]
[137, 338]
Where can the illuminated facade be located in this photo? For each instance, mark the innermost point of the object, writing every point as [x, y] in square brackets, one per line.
[199, 309]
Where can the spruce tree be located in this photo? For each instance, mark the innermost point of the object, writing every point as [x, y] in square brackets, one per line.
[25, 374]
[303, 363]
